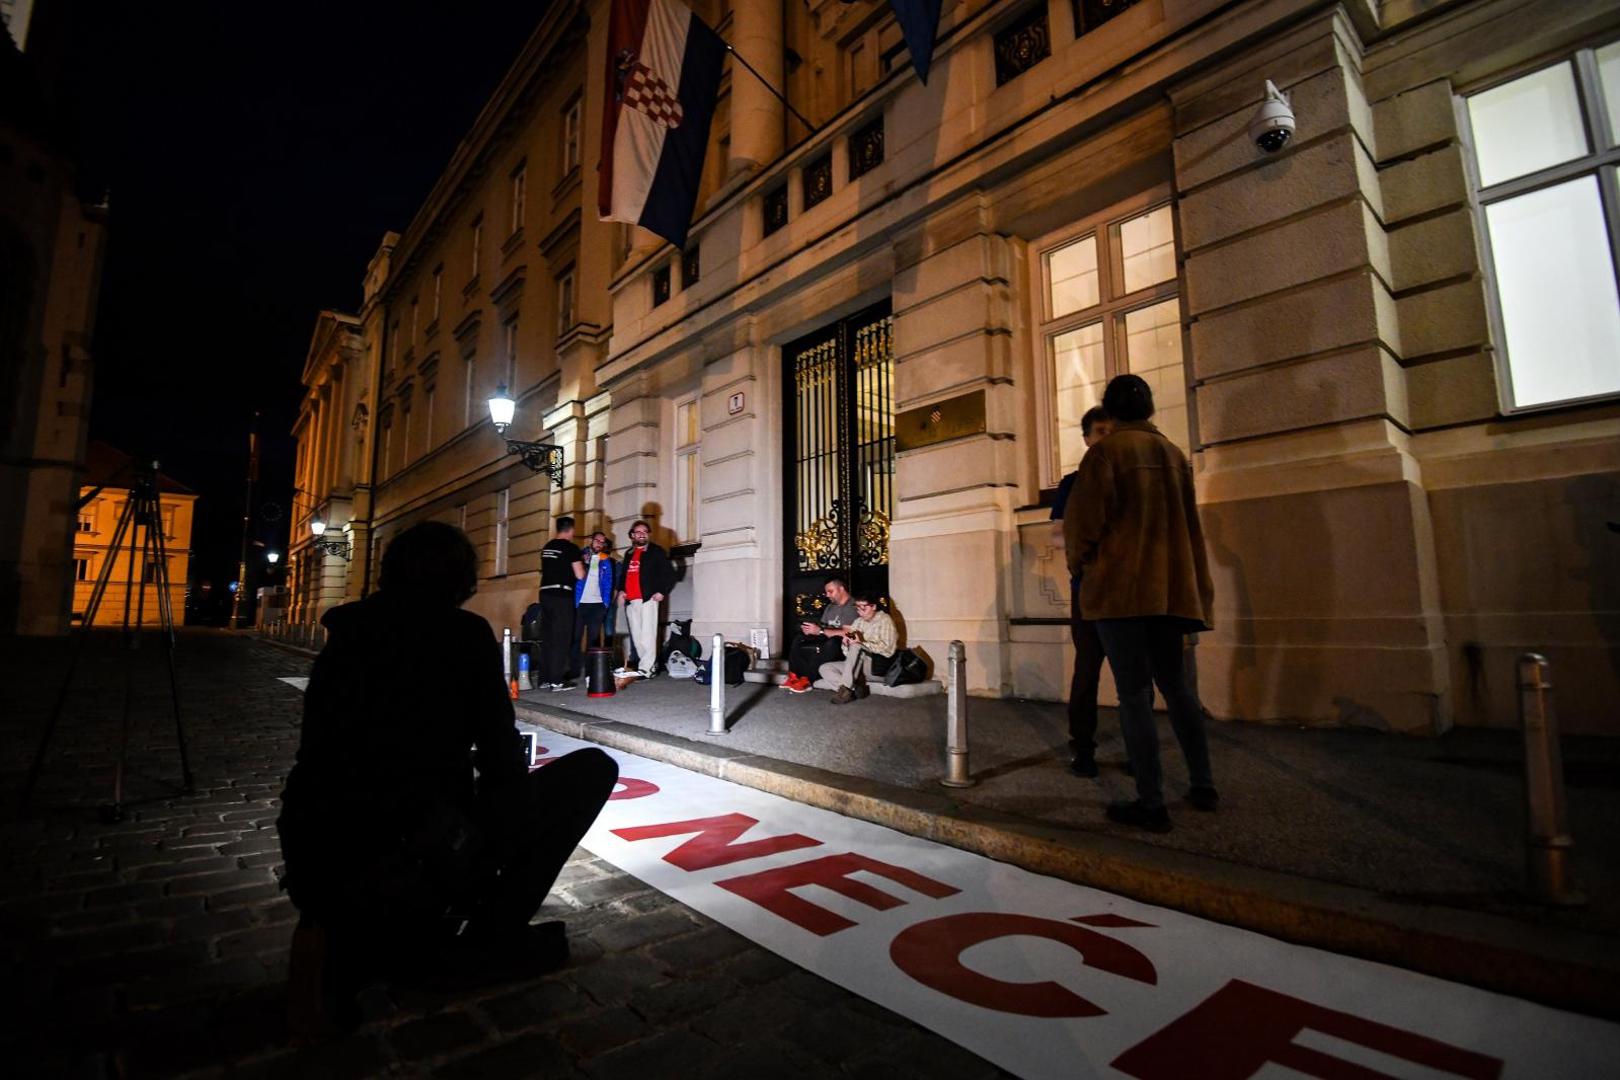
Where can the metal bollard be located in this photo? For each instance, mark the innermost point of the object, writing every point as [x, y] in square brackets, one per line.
[1547, 840]
[506, 657]
[956, 735]
[717, 686]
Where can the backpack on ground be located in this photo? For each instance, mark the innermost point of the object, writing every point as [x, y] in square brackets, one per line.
[681, 640]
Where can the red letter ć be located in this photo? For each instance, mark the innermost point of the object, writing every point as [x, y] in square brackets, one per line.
[931, 952]
[713, 845]
[1243, 1027]
[769, 889]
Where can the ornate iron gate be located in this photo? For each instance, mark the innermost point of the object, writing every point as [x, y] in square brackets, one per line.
[839, 459]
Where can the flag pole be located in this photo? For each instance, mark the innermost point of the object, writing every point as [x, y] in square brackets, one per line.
[735, 55]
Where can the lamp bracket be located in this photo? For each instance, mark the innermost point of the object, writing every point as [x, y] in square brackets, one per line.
[539, 457]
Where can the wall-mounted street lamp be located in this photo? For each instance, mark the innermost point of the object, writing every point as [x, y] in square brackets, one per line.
[340, 548]
[538, 456]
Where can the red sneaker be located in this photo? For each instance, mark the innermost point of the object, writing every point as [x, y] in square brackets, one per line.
[798, 684]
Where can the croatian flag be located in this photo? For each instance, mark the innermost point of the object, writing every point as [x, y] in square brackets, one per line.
[663, 75]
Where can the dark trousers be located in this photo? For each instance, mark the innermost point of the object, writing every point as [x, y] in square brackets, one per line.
[1143, 652]
[589, 620]
[809, 651]
[392, 917]
[556, 624]
[533, 828]
[1088, 662]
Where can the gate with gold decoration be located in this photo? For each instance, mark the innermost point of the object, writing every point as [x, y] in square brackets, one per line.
[839, 489]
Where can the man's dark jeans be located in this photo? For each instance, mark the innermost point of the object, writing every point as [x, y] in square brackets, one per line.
[1088, 662]
[556, 623]
[809, 651]
[1143, 652]
[589, 621]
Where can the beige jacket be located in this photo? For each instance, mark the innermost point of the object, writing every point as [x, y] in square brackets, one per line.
[878, 634]
[1131, 531]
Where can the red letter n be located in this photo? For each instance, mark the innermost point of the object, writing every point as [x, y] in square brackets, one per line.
[1243, 1027]
[713, 845]
[769, 889]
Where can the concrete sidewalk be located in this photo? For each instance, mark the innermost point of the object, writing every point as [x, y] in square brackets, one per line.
[1402, 850]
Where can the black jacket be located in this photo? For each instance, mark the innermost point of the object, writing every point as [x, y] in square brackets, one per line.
[397, 702]
[657, 572]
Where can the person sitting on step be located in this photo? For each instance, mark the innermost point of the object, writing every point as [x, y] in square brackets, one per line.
[873, 634]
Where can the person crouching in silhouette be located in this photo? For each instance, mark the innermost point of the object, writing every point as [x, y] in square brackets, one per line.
[402, 860]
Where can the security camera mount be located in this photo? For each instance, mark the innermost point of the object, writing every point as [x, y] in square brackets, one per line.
[1273, 123]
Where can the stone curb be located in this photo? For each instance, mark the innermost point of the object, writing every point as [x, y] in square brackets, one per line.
[1566, 968]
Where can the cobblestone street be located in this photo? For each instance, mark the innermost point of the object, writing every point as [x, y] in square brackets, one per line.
[157, 946]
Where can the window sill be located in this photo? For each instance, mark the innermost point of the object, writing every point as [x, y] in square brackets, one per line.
[513, 242]
[471, 287]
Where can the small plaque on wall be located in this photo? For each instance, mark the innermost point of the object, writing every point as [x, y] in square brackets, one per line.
[943, 420]
[734, 404]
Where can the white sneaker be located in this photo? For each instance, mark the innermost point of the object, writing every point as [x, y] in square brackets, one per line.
[645, 674]
[622, 671]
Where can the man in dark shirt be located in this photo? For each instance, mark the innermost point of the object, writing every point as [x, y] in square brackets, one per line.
[561, 565]
[820, 641]
[1088, 651]
[399, 861]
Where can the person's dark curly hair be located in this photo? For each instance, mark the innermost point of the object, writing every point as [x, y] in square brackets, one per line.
[1128, 398]
[433, 563]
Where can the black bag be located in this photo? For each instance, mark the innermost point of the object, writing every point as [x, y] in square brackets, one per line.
[529, 628]
[736, 663]
[681, 639]
[907, 668]
[881, 664]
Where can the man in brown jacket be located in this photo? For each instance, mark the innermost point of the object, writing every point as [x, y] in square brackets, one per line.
[1131, 525]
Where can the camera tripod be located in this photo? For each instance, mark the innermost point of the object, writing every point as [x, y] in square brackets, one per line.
[140, 526]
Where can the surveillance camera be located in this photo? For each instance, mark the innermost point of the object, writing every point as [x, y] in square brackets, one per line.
[1273, 124]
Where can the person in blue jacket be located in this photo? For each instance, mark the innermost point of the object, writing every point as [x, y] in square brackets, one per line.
[593, 601]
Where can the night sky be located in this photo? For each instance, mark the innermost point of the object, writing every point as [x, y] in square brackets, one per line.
[254, 157]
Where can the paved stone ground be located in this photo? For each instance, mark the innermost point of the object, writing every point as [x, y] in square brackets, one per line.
[157, 946]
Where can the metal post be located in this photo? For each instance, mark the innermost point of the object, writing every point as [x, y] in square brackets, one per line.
[1547, 839]
[506, 657]
[717, 686]
[956, 735]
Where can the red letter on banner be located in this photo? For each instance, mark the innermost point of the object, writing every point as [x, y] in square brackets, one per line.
[1243, 1027]
[633, 789]
[930, 952]
[713, 845]
[769, 889]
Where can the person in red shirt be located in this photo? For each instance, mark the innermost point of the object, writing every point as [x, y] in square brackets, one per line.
[645, 577]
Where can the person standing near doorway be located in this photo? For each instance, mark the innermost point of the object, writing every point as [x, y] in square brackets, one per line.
[1132, 535]
[1088, 651]
[645, 577]
[593, 597]
[562, 564]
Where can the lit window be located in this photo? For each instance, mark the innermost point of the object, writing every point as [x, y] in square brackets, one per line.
[1544, 150]
[1108, 306]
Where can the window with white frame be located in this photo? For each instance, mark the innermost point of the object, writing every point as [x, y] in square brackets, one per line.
[414, 323]
[565, 301]
[471, 396]
[477, 245]
[81, 568]
[405, 440]
[438, 291]
[520, 179]
[387, 446]
[87, 523]
[503, 507]
[688, 442]
[571, 136]
[1545, 148]
[1108, 305]
[429, 397]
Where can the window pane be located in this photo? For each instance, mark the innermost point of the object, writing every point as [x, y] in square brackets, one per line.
[1153, 351]
[1072, 271]
[1080, 369]
[1608, 59]
[1528, 124]
[1147, 246]
[1555, 281]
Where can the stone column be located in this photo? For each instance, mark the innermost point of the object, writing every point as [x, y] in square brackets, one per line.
[1314, 510]
[950, 543]
[756, 114]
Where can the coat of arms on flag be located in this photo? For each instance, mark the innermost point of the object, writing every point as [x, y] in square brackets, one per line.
[663, 77]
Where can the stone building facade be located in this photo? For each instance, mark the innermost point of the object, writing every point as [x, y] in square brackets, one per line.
[1386, 347]
[133, 584]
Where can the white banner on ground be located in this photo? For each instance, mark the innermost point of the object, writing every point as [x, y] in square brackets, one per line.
[297, 682]
[1045, 978]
